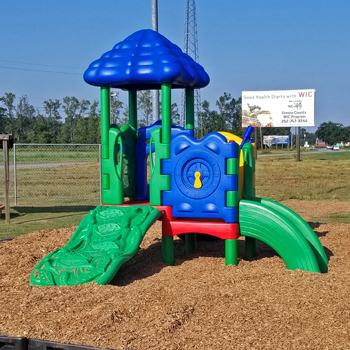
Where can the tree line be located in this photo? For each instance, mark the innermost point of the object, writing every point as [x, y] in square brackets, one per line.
[78, 121]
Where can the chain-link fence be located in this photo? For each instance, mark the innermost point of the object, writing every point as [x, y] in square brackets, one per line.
[53, 175]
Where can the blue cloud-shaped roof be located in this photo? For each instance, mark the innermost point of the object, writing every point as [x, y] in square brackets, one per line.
[145, 60]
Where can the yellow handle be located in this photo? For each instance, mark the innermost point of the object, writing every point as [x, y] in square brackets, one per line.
[197, 182]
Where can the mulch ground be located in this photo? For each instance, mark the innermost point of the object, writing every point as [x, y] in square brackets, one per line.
[197, 304]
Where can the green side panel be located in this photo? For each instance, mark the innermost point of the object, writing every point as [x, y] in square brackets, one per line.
[159, 182]
[105, 117]
[112, 169]
[129, 137]
[105, 239]
[303, 227]
[189, 108]
[232, 168]
[261, 222]
[248, 191]
[120, 170]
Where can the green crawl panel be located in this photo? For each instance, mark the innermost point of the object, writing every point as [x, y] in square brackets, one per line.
[105, 239]
[303, 227]
[258, 221]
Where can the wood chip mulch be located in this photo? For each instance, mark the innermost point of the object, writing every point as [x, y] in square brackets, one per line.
[197, 304]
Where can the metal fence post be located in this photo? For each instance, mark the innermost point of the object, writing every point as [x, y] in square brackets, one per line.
[14, 172]
[5, 144]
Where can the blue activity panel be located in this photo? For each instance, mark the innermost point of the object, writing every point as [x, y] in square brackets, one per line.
[198, 177]
[142, 151]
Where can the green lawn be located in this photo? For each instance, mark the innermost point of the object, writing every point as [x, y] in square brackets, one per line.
[29, 219]
[318, 176]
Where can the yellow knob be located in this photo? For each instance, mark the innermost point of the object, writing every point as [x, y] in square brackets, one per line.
[197, 182]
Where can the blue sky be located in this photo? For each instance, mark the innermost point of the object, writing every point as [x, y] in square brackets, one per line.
[244, 45]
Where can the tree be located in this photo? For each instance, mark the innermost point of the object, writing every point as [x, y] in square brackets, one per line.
[74, 108]
[330, 132]
[116, 106]
[25, 119]
[209, 118]
[3, 120]
[346, 134]
[144, 107]
[228, 118]
[175, 115]
[40, 132]
[8, 102]
[93, 128]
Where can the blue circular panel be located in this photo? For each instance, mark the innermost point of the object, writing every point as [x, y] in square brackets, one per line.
[185, 174]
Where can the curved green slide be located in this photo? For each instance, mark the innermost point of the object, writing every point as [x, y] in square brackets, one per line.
[283, 230]
[105, 239]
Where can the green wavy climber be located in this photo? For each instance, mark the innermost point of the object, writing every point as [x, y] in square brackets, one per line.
[105, 239]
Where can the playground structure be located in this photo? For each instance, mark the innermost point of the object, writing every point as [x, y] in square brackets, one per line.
[202, 186]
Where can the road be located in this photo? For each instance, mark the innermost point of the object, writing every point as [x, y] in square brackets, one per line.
[320, 150]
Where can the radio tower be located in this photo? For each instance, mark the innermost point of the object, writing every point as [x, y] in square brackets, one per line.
[191, 49]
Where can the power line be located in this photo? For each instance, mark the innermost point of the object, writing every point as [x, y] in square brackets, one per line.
[39, 64]
[39, 70]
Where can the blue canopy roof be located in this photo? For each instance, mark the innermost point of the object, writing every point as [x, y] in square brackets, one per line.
[145, 60]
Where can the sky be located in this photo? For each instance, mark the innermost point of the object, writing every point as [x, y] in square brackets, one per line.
[244, 45]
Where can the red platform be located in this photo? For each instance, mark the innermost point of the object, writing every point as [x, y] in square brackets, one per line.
[174, 226]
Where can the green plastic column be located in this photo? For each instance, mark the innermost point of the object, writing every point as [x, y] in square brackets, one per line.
[190, 238]
[166, 113]
[168, 250]
[105, 115]
[190, 243]
[133, 108]
[231, 252]
[250, 248]
[189, 109]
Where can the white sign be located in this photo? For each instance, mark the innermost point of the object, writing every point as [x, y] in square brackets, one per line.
[278, 108]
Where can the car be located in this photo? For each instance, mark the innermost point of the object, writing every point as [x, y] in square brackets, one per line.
[329, 147]
[335, 148]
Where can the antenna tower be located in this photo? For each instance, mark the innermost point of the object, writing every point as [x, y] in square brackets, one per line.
[191, 49]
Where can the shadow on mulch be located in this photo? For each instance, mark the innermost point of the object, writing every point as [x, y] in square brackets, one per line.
[148, 262]
[315, 225]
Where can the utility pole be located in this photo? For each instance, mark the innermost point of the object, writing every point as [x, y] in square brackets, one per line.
[155, 93]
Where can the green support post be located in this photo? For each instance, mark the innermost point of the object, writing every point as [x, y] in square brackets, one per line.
[168, 250]
[166, 113]
[167, 241]
[105, 117]
[231, 252]
[250, 248]
[190, 238]
[133, 108]
[190, 243]
[190, 109]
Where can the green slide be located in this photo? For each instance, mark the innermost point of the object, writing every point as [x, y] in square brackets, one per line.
[285, 231]
[105, 239]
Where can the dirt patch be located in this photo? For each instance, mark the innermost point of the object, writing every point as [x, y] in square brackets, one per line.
[196, 304]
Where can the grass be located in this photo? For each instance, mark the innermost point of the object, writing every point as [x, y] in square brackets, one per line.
[59, 185]
[28, 219]
[318, 176]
